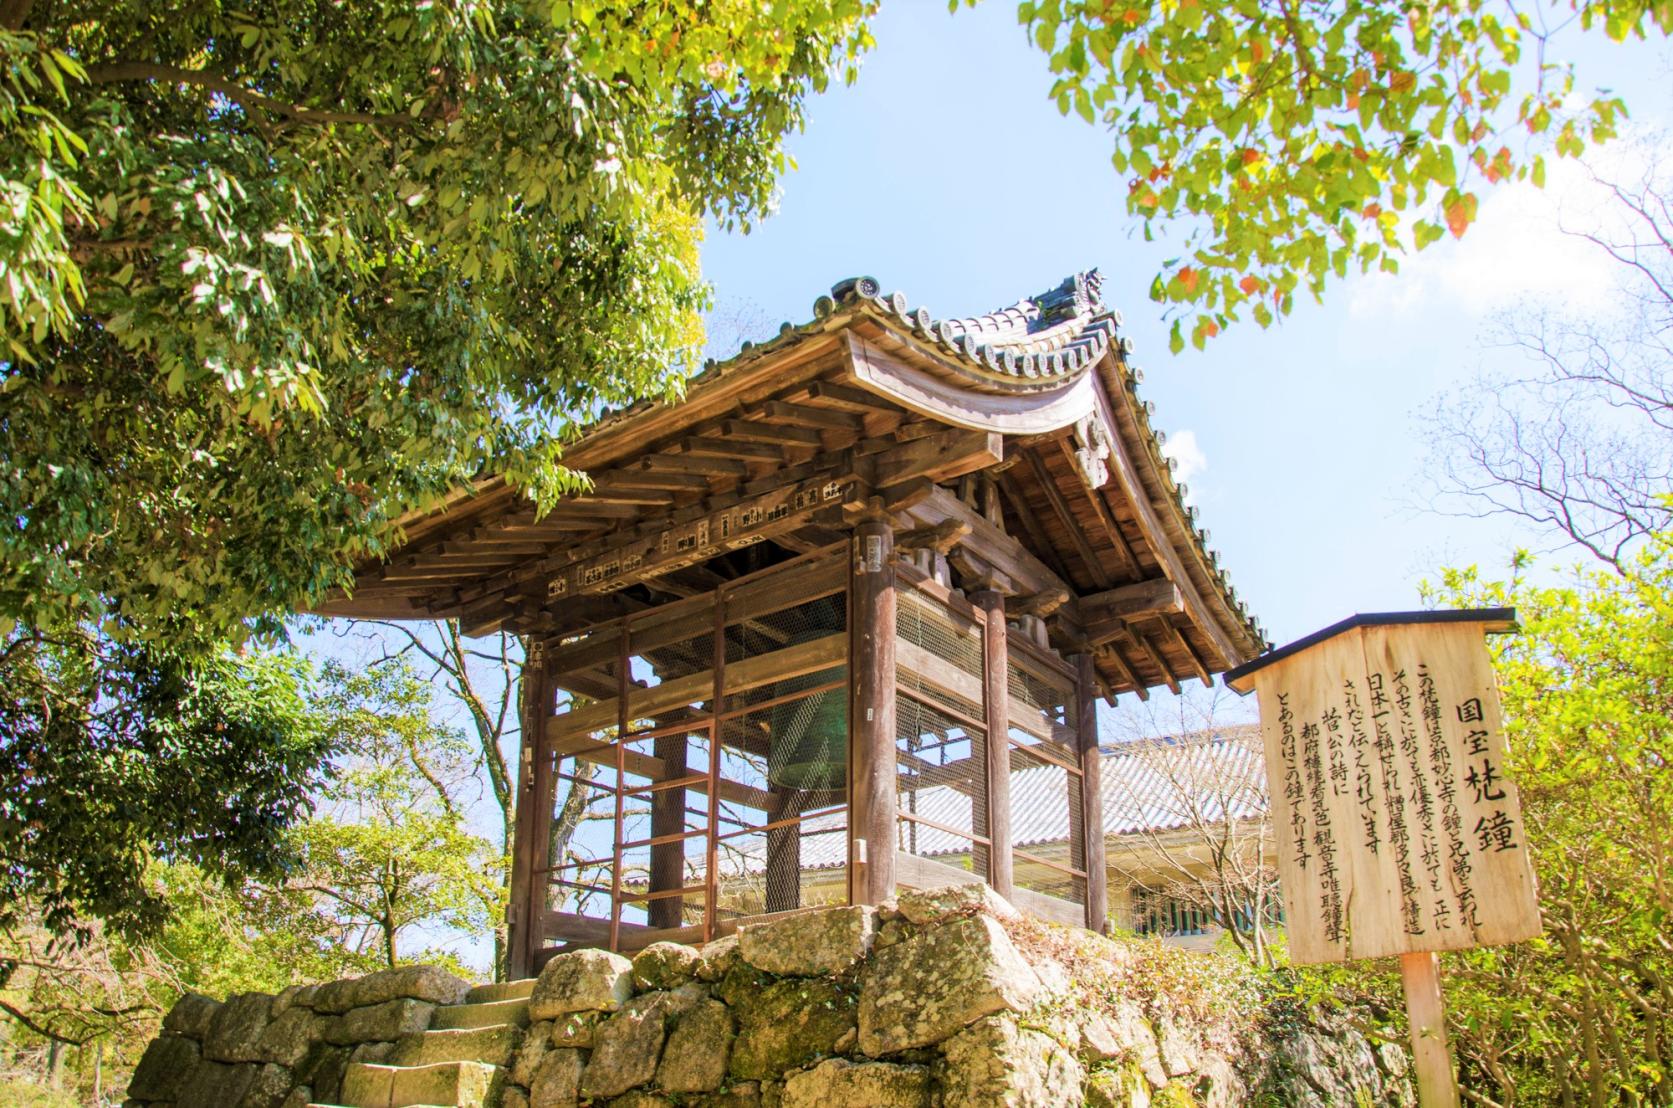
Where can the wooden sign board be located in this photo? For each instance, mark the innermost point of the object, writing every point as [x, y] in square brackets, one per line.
[1398, 830]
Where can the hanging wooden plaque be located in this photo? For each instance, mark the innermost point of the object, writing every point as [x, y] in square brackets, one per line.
[1398, 830]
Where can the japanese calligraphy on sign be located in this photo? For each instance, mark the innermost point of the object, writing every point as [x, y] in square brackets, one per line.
[1398, 830]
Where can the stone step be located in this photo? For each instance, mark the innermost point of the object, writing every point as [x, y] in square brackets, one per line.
[493, 1045]
[504, 990]
[451, 1017]
[452, 1084]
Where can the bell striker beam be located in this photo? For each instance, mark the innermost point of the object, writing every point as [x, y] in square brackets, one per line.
[1092, 804]
[996, 702]
[531, 831]
[872, 720]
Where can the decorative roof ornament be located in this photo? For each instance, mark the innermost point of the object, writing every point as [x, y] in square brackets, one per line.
[1077, 296]
[1092, 450]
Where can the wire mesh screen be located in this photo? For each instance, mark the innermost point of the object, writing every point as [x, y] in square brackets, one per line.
[1047, 816]
[940, 736]
[939, 655]
[708, 776]
[782, 833]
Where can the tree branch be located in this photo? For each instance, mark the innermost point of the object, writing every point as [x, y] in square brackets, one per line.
[249, 99]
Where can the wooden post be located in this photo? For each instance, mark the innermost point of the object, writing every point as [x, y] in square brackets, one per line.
[533, 827]
[871, 630]
[996, 702]
[1421, 975]
[1092, 801]
[784, 853]
[668, 818]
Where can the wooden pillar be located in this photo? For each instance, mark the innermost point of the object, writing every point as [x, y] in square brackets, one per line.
[536, 779]
[668, 818]
[1092, 800]
[1421, 975]
[871, 727]
[996, 702]
[784, 853]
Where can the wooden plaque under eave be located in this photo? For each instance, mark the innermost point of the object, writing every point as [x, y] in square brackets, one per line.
[1397, 828]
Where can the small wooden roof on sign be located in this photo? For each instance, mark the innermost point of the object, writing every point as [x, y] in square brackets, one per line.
[1084, 520]
[1494, 621]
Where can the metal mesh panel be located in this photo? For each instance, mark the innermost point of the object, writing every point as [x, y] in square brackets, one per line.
[1042, 705]
[741, 799]
[940, 739]
[1045, 827]
[939, 655]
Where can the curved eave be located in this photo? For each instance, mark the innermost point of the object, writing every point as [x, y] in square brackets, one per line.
[1041, 373]
[1130, 419]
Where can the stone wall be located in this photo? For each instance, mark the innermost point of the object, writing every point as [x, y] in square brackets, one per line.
[286, 1051]
[945, 998]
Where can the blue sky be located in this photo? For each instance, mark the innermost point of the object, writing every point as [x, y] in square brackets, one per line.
[947, 174]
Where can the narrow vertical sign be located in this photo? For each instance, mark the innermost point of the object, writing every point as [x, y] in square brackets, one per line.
[1398, 829]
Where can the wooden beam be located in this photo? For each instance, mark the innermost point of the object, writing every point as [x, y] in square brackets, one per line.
[1042, 603]
[732, 448]
[1112, 654]
[1140, 600]
[939, 457]
[773, 434]
[647, 703]
[806, 415]
[1177, 637]
[536, 781]
[1076, 529]
[995, 548]
[1106, 521]
[845, 398]
[871, 714]
[694, 463]
[940, 538]
[1126, 477]
[622, 482]
[1149, 650]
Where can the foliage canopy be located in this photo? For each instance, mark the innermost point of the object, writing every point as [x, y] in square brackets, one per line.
[1584, 1014]
[270, 277]
[109, 761]
[1293, 140]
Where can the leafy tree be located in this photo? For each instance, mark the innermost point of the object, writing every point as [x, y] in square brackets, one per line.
[390, 849]
[273, 276]
[113, 756]
[1293, 140]
[1582, 1015]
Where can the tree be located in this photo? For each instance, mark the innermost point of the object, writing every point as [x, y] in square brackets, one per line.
[115, 756]
[1201, 825]
[1584, 1014]
[1580, 445]
[1293, 140]
[273, 277]
[390, 850]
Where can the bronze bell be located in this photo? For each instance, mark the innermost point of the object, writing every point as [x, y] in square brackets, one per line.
[809, 744]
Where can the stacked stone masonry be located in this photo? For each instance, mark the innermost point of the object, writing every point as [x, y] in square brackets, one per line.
[924, 1002]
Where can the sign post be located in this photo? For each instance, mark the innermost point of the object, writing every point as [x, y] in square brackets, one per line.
[1398, 832]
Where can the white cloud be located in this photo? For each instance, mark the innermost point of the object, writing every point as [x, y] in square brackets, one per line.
[1189, 460]
[1516, 251]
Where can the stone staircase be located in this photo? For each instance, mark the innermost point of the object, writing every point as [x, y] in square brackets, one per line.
[460, 1061]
